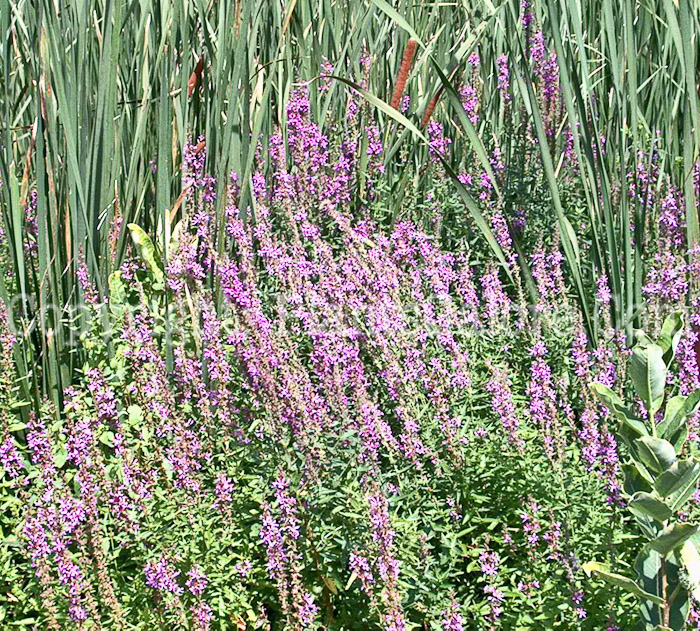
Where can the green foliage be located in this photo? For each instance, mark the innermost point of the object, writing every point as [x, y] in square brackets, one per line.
[669, 547]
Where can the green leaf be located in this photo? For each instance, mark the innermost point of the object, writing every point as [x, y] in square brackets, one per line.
[635, 481]
[384, 107]
[107, 438]
[646, 504]
[60, 457]
[692, 403]
[678, 482]
[117, 290]
[656, 453]
[674, 427]
[330, 584]
[602, 570]
[135, 414]
[671, 335]
[674, 415]
[147, 251]
[652, 568]
[614, 403]
[642, 339]
[691, 562]
[648, 372]
[672, 536]
[396, 16]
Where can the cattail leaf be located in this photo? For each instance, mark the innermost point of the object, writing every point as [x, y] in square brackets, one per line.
[396, 17]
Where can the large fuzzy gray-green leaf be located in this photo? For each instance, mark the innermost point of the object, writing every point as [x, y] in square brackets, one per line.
[656, 453]
[648, 372]
[672, 537]
[678, 483]
[650, 506]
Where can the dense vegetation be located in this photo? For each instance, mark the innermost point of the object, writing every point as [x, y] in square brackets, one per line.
[325, 314]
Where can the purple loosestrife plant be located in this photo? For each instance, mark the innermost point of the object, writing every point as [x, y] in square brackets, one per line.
[291, 422]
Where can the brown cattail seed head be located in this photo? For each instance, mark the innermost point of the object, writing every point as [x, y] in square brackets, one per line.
[408, 54]
[195, 77]
[431, 108]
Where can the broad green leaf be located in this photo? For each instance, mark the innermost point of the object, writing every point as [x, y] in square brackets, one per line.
[147, 251]
[602, 570]
[672, 536]
[656, 453]
[642, 339]
[648, 372]
[651, 568]
[107, 438]
[691, 562]
[671, 335]
[330, 584]
[678, 482]
[692, 403]
[117, 290]
[60, 457]
[674, 415]
[674, 427]
[650, 506]
[135, 413]
[614, 403]
[635, 481]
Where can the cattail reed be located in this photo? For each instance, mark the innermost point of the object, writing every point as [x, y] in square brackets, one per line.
[431, 108]
[409, 54]
[195, 77]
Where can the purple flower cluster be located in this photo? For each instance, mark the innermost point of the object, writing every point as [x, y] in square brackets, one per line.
[452, 619]
[548, 275]
[504, 77]
[439, 143]
[470, 102]
[334, 335]
[488, 561]
[543, 403]
[502, 404]
[10, 459]
[161, 575]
